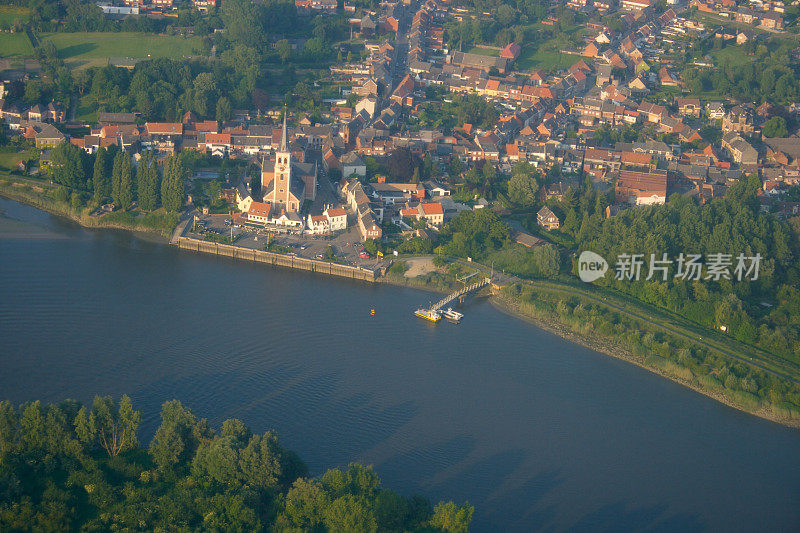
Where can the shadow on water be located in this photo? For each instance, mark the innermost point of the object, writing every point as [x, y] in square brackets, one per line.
[321, 421]
[609, 517]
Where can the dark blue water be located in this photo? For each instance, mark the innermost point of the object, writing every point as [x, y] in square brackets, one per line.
[536, 432]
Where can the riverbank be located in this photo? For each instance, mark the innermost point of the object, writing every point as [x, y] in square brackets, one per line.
[609, 346]
[42, 196]
[619, 333]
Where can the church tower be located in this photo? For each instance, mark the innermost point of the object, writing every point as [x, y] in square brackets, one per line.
[283, 172]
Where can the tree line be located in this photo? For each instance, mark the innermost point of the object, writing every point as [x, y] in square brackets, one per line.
[66, 467]
[110, 174]
[764, 312]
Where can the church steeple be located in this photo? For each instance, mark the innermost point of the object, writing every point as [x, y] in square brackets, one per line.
[283, 147]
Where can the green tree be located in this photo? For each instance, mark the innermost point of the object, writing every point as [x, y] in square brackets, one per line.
[173, 193]
[68, 168]
[224, 111]
[452, 518]
[101, 182]
[284, 49]
[147, 182]
[242, 22]
[348, 514]
[115, 425]
[304, 505]
[125, 183]
[8, 428]
[523, 185]
[776, 127]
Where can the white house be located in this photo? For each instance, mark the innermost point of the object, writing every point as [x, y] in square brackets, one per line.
[243, 198]
[352, 164]
[318, 225]
[289, 220]
[258, 212]
[337, 218]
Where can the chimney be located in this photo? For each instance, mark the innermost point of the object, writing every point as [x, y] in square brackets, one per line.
[381, 179]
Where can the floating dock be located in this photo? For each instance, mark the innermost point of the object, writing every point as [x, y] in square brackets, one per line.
[454, 316]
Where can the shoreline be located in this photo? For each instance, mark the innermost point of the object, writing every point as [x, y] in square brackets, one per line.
[617, 351]
[84, 220]
[503, 303]
[512, 307]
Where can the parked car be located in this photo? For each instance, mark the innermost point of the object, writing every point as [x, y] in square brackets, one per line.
[363, 254]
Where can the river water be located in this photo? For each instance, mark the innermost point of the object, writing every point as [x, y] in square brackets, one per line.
[536, 432]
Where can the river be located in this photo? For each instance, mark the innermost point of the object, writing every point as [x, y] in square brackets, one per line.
[536, 432]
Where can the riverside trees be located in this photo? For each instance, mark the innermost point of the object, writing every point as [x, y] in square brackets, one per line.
[67, 467]
[148, 182]
[173, 193]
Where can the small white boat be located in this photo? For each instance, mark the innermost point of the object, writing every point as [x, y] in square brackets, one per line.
[452, 316]
[428, 314]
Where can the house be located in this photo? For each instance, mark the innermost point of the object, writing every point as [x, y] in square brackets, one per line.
[635, 5]
[243, 198]
[204, 6]
[740, 119]
[259, 212]
[431, 212]
[511, 52]
[484, 63]
[47, 135]
[369, 229]
[116, 118]
[689, 107]
[547, 219]
[642, 188]
[351, 164]
[164, 129]
[740, 150]
[318, 225]
[337, 218]
[715, 110]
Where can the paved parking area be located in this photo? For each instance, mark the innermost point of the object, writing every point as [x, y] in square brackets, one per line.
[346, 245]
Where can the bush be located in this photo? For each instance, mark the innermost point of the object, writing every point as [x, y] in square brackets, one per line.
[399, 268]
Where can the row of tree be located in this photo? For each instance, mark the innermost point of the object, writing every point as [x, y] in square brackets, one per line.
[68, 467]
[113, 176]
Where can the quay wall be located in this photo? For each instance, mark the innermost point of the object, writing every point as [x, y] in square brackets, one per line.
[276, 259]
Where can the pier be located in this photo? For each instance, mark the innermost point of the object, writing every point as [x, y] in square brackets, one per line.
[474, 287]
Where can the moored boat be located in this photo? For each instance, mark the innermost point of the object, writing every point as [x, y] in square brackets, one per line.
[452, 315]
[428, 314]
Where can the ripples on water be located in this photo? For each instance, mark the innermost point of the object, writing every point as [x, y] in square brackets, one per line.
[536, 432]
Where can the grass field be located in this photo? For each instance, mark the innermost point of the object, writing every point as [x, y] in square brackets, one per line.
[15, 44]
[546, 55]
[11, 14]
[10, 157]
[732, 56]
[85, 49]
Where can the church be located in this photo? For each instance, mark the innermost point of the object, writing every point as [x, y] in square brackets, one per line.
[285, 183]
